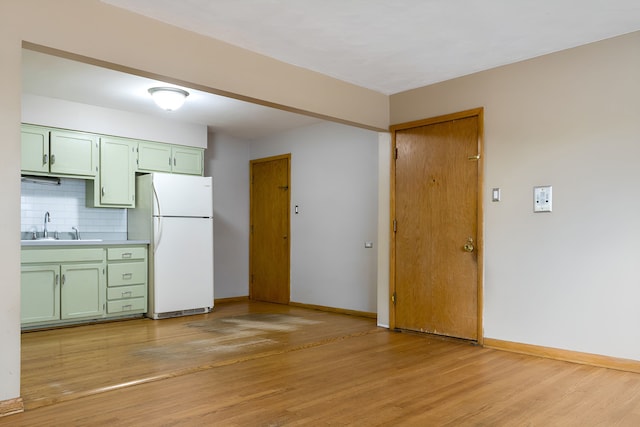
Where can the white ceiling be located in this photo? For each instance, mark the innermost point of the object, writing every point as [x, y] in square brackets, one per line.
[393, 46]
[387, 46]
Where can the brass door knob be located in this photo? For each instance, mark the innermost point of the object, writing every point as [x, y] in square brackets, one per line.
[468, 247]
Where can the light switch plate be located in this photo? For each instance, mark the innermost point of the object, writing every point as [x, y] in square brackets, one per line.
[495, 195]
[542, 198]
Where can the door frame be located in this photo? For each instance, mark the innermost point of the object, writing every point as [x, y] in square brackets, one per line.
[476, 112]
[251, 163]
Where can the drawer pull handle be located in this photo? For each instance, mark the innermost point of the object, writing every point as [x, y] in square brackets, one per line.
[127, 293]
[127, 307]
[127, 276]
[126, 255]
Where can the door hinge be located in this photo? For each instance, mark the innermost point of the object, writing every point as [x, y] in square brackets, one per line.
[395, 153]
[395, 225]
[393, 298]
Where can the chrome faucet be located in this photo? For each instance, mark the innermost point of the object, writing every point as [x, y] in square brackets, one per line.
[47, 218]
[77, 232]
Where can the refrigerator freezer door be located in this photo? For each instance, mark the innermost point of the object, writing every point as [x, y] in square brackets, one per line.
[182, 195]
[183, 264]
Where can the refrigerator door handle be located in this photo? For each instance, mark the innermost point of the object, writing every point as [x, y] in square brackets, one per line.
[157, 234]
[156, 200]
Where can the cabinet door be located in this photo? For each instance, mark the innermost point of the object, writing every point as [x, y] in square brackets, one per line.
[40, 299]
[154, 157]
[117, 172]
[35, 149]
[187, 160]
[82, 291]
[73, 153]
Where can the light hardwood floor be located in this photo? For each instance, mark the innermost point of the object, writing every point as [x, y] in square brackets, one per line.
[256, 364]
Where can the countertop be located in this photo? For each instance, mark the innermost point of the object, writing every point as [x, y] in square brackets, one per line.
[84, 242]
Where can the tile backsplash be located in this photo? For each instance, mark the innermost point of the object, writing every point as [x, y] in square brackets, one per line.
[66, 203]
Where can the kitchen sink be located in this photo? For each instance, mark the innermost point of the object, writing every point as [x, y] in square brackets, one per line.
[50, 240]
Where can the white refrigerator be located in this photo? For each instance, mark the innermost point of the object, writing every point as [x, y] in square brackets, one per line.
[175, 213]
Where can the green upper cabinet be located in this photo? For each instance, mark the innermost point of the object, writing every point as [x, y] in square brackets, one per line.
[35, 149]
[154, 157]
[115, 185]
[59, 152]
[187, 160]
[158, 157]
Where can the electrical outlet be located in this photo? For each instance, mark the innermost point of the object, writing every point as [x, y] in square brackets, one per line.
[542, 199]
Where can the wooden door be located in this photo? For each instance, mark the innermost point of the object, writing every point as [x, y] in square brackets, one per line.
[436, 243]
[269, 235]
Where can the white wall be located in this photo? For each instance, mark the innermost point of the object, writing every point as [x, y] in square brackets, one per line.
[569, 279]
[334, 181]
[227, 161]
[64, 114]
[10, 54]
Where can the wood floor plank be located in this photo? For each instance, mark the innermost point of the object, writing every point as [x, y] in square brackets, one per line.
[255, 364]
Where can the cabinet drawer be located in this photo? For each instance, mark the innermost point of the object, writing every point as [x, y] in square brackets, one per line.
[127, 306]
[133, 291]
[115, 254]
[126, 273]
[50, 255]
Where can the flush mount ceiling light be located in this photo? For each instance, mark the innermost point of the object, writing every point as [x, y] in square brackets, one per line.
[168, 98]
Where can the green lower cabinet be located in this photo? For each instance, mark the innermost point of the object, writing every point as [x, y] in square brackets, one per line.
[75, 284]
[62, 285]
[126, 280]
[82, 291]
[40, 287]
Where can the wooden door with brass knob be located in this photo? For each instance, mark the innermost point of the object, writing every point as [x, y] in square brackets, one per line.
[269, 247]
[436, 244]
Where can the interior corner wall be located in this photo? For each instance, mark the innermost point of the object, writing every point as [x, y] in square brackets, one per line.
[10, 87]
[227, 161]
[334, 183]
[569, 279]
